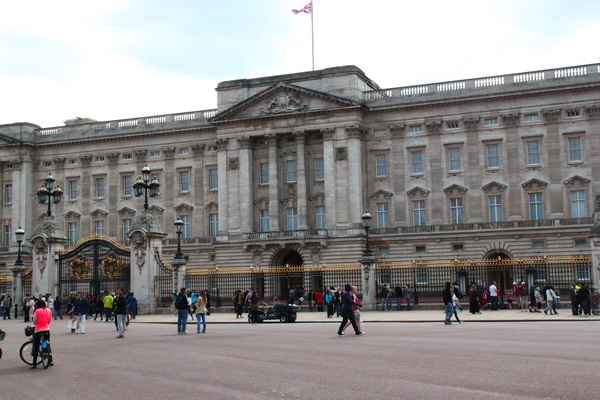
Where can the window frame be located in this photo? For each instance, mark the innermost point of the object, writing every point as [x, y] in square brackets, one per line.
[381, 169]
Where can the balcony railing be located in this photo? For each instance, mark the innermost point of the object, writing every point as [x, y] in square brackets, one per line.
[478, 226]
[193, 240]
[285, 234]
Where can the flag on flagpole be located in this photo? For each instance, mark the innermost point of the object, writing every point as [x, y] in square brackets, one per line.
[307, 9]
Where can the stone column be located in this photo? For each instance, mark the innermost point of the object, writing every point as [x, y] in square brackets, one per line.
[301, 183]
[47, 241]
[146, 239]
[273, 183]
[113, 182]
[223, 189]
[329, 183]
[198, 190]
[247, 211]
[356, 194]
[178, 274]
[17, 285]
[368, 283]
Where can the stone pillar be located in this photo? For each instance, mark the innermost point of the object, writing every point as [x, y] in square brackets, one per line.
[17, 286]
[329, 183]
[146, 239]
[47, 241]
[178, 274]
[356, 194]
[301, 180]
[247, 211]
[273, 183]
[223, 195]
[368, 283]
[595, 243]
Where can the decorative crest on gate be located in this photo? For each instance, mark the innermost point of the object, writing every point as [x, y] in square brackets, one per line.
[79, 269]
[111, 267]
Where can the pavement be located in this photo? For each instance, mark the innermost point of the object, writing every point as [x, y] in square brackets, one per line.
[388, 316]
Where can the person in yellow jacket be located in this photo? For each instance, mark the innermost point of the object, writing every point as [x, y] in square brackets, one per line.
[108, 306]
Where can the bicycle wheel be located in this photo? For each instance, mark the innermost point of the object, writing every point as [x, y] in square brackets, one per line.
[25, 353]
[45, 356]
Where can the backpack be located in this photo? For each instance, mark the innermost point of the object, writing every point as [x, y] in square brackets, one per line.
[181, 302]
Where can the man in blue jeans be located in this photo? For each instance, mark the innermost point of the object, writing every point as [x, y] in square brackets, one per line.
[347, 313]
[181, 304]
[447, 297]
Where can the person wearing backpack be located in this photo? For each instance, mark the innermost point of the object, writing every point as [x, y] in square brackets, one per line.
[523, 296]
[182, 307]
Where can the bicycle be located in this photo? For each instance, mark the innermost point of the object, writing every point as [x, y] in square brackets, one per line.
[44, 352]
[2, 336]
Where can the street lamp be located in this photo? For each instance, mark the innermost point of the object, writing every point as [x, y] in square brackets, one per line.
[146, 186]
[20, 234]
[179, 260]
[47, 193]
[178, 229]
[366, 219]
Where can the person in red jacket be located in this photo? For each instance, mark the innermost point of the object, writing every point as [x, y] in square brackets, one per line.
[319, 300]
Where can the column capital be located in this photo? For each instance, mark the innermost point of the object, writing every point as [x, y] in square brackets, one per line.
[198, 149]
[327, 133]
[168, 151]
[244, 142]
[59, 162]
[140, 155]
[113, 158]
[299, 135]
[222, 144]
[356, 131]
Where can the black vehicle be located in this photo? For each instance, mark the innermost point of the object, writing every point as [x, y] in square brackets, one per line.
[282, 312]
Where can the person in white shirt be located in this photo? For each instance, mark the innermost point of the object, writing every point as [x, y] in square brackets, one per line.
[494, 296]
[550, 296]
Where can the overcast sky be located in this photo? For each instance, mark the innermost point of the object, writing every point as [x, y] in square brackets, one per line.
[115, 59]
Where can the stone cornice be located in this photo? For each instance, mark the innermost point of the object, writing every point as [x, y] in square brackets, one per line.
[356, 132]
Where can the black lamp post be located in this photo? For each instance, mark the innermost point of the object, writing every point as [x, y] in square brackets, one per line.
[47, 193]
[20, 234]
[146, 186]
[366, 218]
[178, 229]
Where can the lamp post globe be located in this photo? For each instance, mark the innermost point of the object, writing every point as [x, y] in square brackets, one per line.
[47, 193]
[366, 219]
[146, 185]
[20, 234]
[178, 231]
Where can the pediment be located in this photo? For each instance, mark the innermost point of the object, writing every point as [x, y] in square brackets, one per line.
[156, 210]
[493, 187]
[72, 215]
[98, 213]
[577, 181]
[211, 205]
[455, 190]
[381, 194]
[534, 184]
[262, 202]
[184, 208]
[126, 212]
[417, 192]
[283, 99]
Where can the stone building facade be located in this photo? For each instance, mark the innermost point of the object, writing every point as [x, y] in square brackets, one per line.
[281, 172]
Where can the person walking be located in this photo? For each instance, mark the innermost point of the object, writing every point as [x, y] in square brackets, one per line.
[550, 296]
[523, 297]
[121, 312]
[254, 306]
[132, 305]
[80, 311]
[384, 297]
[42, 317]
[455, 302]
[329, 303]
[108, 303]
[7, 304]
[181, 305]
[585, 300]
[347, 313]
[473, 300]
[493, 296]
[57, 308]
[406, 292]
[447, 297]
[201, 311]
[238, 303]
[355, 310]
[398, 293]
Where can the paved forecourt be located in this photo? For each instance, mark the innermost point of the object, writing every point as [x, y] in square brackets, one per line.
[485, 360]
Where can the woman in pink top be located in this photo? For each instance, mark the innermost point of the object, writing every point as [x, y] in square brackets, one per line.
[41, 320]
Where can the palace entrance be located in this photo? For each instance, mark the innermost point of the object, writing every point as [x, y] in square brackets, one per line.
[292, 274]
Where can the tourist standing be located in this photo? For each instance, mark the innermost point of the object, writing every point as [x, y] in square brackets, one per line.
[254, 306]
[523, 297]
[473, 300]
[181, 305]
[238, 303]
[7, 304]
[80, 311]
[319, 300]
[132, 305]
[201, 311]
[406, 292]
[42, 317]
[57, 308]
[398, 293]
[121, 312]
[108, 303]
[493, 296]
[329, 303]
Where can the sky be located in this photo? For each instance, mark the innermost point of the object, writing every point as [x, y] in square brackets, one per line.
[119, 59]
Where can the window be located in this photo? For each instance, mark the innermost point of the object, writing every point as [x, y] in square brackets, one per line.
[384, 251]
[292, 219]
[264, 174]
[575, 150]
[320, 217]
[495, 204]
[127, 181]
[572, 113]
[186, 231]
[211, 149]
[536, 206]
[6, 240]
[319, 169]
[99, 159]
[214, 224]
[581, 242]
[380, 165]
[184, 151]
[8, 194]
[578, 208]
[456, 210]
[290, 171]
[452, 125]
[454, 159]
[213, 179]
[184, 181]
[290, 139]
[72, 190]
[420, 249]
[490, 121]
[379, 133]
[383, 215]
[127, 156]
[100, 227]
[458, 247]
[416, 162]
[72, 229]
[126, 229]
[73, 161]
[538, 244]
[155, 153]
[492, 152]
[265, 221]
[47, 163]
[422, 276]
[415, 128]
[419, 216]
[533, 152]
[531, 118]
[99, 187]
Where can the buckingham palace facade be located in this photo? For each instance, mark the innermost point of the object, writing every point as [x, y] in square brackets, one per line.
[282, 170]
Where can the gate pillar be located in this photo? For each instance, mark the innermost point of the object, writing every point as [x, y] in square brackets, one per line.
[146, 237]
[47, 241]
[595, 247]
[368, 283]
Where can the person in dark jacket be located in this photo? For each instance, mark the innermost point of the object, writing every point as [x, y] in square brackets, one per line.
[447, 297]
[347, 312]
[80, 311]
[121, 312]
[584, 300]
[474, 300]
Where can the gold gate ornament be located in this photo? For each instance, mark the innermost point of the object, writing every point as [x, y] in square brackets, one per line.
[111, 267]
[79, 269]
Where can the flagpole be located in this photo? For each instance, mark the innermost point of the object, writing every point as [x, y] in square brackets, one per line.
[312, 32]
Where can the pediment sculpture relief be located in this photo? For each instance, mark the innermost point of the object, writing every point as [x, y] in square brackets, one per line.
[282, 102]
